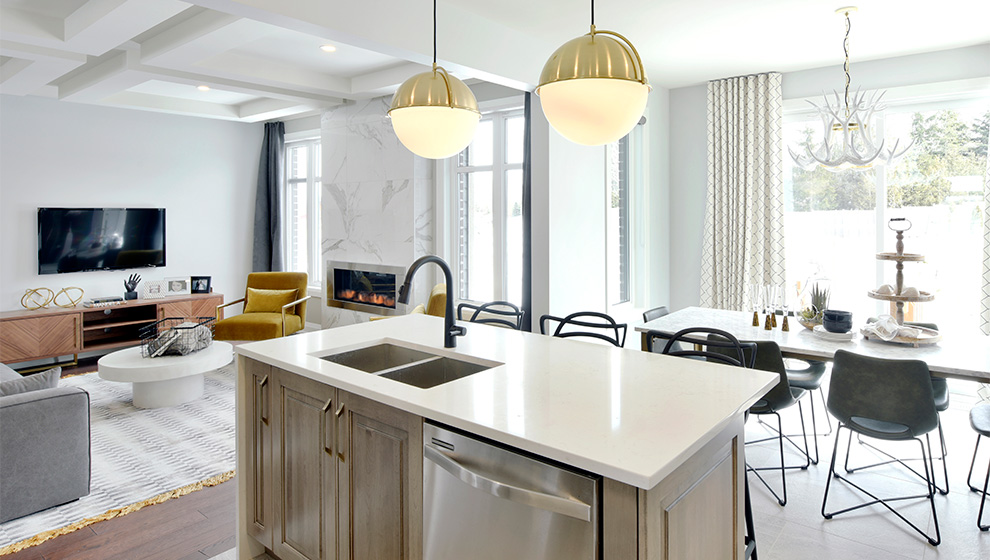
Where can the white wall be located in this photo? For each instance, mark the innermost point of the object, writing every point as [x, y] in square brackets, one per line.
[688, 129]
[203, 172]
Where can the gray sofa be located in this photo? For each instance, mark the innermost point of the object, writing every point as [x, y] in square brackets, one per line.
[44, 447]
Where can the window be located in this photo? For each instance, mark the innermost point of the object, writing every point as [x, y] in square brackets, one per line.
[617, 221]
[835, 223]
[488, 224]
[301, 207]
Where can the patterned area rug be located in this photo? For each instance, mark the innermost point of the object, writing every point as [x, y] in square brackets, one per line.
[140, 456]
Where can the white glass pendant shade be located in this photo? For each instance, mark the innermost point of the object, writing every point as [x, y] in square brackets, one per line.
[594, 111]
[434, 132]
[593, 89]
[434, 114]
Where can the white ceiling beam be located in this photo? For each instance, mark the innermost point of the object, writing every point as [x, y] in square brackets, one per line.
[203, 36]
[251, 69]
[192, 78]
[31, 68]
[173, 105]
[381, 82]
[267, 109]
[468, 44]
[21, 26]
[94, 29]
[99, 80]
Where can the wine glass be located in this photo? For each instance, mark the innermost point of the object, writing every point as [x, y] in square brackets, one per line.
[756, 300]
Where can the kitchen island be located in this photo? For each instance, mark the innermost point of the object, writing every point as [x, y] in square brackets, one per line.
[330, 458]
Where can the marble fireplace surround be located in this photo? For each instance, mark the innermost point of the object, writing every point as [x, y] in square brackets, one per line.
[377, 200]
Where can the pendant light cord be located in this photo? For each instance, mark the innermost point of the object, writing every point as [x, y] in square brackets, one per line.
[435, 40]
[592, 12]
[845, 66]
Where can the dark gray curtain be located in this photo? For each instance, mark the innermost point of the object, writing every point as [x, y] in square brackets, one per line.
[268, 204]
[527, 216]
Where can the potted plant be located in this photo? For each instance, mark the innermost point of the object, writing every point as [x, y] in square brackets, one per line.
[813, 314]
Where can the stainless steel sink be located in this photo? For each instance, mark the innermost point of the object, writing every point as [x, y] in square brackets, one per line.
[418, 368]
[378, 357]
[433, 372]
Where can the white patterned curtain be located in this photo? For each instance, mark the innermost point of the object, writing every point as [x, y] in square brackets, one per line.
[985, 314]
[744, 218]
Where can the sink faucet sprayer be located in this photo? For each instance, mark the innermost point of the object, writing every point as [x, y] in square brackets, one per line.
[450, 330]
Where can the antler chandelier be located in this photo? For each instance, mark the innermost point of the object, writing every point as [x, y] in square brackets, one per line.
[849, 140]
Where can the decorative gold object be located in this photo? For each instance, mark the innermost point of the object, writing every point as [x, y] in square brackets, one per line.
[433, 113]
[769, 324]
[593, 88]
[70, 301]
[773, 320]
[784, 327]
[756, 318]
[37, 298]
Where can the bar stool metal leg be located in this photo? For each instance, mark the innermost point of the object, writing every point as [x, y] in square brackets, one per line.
[983, 496]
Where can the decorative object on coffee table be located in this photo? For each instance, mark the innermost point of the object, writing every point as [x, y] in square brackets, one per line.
[130, 286]
[900, 294]
[154, 289]
[200, 284]
[177, 286]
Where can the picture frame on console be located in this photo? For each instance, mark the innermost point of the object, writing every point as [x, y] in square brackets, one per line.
[154, 289]
[177, 286]
[200, 284]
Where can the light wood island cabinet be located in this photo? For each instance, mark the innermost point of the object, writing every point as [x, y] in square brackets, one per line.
[330, 459]
[331, 475]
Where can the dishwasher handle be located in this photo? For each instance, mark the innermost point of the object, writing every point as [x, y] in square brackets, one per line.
[532, 498]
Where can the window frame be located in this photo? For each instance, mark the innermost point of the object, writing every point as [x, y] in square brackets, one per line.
[314, 188]
[449, 231]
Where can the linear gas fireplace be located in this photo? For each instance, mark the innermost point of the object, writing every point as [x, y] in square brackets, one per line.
[371, 288]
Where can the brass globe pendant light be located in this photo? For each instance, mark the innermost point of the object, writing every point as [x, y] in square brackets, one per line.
[433, 113]
[594, 88]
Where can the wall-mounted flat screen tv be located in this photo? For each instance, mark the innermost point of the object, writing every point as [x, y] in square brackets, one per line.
[78, 239]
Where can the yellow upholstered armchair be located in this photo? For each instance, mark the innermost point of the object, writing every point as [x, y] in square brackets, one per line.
[274, 306]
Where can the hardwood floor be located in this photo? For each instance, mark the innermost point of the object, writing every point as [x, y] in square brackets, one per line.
[196, 526]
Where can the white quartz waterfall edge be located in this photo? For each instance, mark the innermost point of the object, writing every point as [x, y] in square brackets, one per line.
[138, 454]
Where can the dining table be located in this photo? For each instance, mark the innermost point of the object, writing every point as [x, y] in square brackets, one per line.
[959, 354]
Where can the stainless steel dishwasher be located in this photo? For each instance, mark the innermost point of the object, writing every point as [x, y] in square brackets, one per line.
[485, 501]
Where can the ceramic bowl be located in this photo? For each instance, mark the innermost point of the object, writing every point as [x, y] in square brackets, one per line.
[836, 321]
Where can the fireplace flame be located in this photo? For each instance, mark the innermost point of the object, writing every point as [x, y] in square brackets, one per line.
[370, 298]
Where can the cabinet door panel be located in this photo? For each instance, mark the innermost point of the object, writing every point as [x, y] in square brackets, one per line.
[380, 481]
[305, 475]
[259, 472]
[179, 309]
[206, 307]
[39, 337]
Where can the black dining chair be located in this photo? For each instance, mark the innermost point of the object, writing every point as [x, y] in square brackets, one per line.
[586, 324]
[979, 419]
[655, 313]
[501, 313]
[889, 400]
[940, 392]
[713, 345]
[809, 375]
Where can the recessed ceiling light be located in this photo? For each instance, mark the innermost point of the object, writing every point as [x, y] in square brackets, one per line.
[203, 88]
[328, 48]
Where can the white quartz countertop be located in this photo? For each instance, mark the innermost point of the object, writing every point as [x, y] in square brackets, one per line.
[622, 413]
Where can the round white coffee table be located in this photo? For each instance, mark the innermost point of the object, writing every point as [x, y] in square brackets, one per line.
[166, 380]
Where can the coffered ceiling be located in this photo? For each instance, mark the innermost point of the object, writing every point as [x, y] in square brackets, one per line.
[261, 59]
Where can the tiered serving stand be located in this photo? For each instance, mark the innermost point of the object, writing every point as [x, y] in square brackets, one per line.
[927, 336]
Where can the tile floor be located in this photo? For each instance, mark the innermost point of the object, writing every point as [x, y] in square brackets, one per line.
[799, 531]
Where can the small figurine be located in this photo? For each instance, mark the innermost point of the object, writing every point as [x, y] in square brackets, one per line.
[131, 286]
